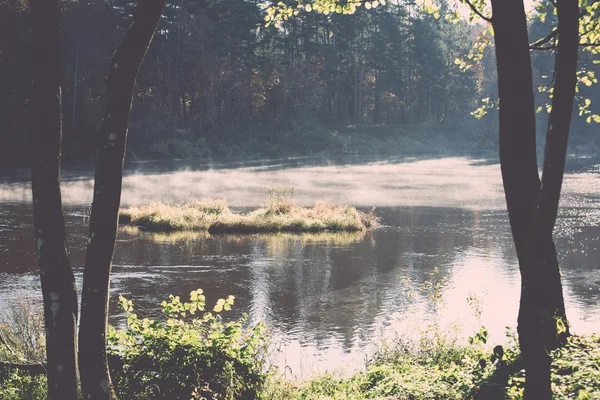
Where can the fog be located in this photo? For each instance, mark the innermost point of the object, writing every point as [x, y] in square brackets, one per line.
[447, 182]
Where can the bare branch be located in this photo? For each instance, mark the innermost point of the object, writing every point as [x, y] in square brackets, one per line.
[538, 43]
[553, 47]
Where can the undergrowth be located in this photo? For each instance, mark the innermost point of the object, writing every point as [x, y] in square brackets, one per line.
[191, 353]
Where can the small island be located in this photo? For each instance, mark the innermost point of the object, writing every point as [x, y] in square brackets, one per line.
[280, 214]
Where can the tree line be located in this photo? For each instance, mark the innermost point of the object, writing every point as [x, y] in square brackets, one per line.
[216, 74]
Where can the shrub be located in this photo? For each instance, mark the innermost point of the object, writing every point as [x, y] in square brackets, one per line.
[189, 354]
[18, 386]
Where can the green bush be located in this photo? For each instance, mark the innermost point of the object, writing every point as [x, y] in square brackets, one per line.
[189, 354]
[19, 386]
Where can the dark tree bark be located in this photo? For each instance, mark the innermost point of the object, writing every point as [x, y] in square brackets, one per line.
[112, 136]
[58, 283]
[532, 205]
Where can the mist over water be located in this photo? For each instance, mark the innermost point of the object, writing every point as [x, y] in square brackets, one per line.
[447, 182]
[330, 298]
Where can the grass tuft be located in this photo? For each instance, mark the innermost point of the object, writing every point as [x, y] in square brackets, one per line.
[280, 214]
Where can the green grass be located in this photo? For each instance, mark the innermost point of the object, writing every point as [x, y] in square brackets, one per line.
[281, 214]
[453, 372]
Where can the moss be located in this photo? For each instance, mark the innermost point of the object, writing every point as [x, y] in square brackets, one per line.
[279, 215]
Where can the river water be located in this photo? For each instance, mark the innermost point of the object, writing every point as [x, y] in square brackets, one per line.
[330, 298]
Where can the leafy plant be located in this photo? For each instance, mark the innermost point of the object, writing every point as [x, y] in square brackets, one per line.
[19, 386]
[188, 354]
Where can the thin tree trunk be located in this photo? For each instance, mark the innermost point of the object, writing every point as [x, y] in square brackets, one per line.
[520, 175]
[377, 106]
[551, 308]
[177, 97]
[75, 75]
[112, 136]
[58, 284]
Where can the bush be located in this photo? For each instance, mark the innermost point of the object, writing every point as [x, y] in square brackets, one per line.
[190, 354]
[18, 386]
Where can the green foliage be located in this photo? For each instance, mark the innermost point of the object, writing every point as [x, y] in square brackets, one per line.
[19, 386]
[576, 367]
[188, 354]
[444, 370]
[280, 11]
[451, 371]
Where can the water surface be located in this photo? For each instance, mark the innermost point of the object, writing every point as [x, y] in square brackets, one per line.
[329, 298]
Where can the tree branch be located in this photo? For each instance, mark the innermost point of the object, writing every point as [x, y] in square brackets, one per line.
[476, 11]
[32, 369]
[553, 47]
[538, 44]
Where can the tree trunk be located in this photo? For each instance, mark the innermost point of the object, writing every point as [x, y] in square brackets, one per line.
[532, 206]
[75, 75]
[177, 95]
[520, 178]
[377, 106]
[112, 135]
[557, 135]
[58, 284]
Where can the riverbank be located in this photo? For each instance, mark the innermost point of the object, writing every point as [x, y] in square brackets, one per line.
[281, 214]
[455, 372]
[327, 140]
[200, 356]
[444, 373]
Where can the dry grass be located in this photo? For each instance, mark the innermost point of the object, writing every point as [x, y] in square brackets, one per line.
[22, 337]
[280, 214]
[160, 217]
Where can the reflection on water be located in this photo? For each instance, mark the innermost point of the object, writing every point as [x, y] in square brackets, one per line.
[328, 297]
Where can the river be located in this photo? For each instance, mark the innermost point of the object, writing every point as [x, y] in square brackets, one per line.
[328, 299]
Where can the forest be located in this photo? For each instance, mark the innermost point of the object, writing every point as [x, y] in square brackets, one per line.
[217, 83]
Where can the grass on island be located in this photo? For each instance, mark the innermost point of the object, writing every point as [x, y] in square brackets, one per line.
[280, 214]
